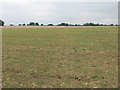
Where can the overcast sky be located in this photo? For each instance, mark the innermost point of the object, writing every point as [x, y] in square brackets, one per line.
[57, 11]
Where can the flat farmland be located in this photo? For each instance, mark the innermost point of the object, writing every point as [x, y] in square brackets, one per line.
[60, 57]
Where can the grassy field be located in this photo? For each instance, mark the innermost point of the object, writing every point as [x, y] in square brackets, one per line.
[60, 57]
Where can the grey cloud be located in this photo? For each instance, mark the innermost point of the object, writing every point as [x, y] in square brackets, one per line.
[56, 12]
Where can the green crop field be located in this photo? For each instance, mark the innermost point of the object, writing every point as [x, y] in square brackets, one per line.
[60, 57]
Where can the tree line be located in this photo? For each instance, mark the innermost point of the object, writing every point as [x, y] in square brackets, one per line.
[65, 24]
[1, 23]
[61, 24]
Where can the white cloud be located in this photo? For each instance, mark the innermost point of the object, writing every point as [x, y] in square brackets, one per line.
[30, 11]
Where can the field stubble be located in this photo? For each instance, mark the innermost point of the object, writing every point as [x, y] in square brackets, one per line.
[69, 57]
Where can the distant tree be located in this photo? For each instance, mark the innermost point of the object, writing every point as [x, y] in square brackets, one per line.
[42, 25]
[19, 24]
[105, 25]
[71, 25]
[11, 25]
[97, 24]
[1, 23]
[50, 25]
[86, 24]
[63, 24]
[32, 24]
[36, 24]
[76, 25]
[92, 24]
[111, 25]
[23, 24]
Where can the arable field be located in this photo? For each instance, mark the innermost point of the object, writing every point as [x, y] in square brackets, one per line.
[60, 57]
